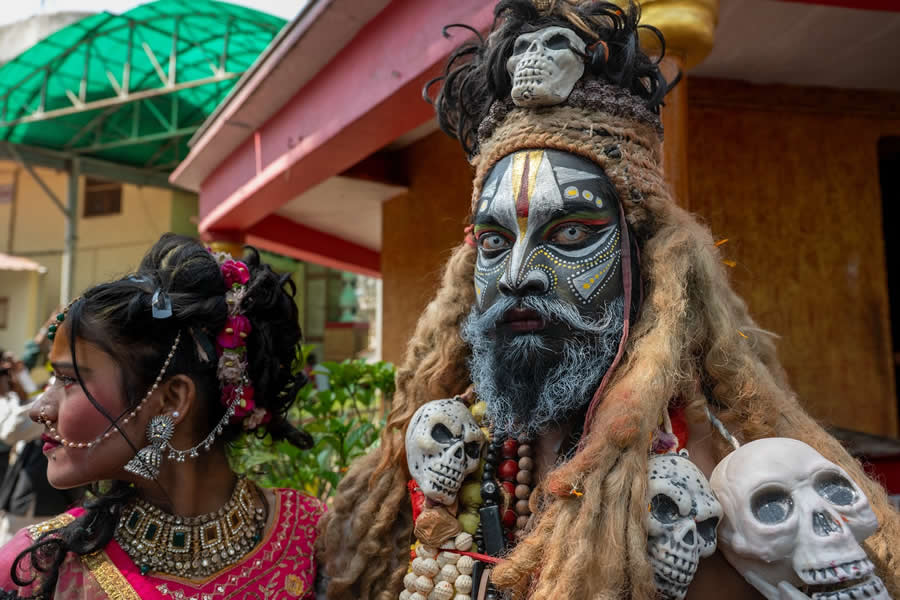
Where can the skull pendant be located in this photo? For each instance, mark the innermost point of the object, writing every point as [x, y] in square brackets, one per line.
[793, 519]
[681, 522]
[545, 65]
[443, 446]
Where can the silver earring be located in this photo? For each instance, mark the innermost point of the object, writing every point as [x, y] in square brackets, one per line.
[147, 461]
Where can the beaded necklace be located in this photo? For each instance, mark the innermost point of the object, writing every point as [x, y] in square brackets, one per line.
[193, 547]
[508, 464]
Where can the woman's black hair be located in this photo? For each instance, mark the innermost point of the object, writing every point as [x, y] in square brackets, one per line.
[475, 75]
[117, 317]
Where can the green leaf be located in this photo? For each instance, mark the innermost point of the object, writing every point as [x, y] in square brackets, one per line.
[345, 422]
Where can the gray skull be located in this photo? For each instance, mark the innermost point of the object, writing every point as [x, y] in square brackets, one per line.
[443, 445]
[545, 65]
[681, 522]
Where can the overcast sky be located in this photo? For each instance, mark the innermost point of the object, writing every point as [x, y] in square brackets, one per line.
[16, 10]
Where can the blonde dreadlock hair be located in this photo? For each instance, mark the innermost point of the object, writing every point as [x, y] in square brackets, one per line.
[693, 340]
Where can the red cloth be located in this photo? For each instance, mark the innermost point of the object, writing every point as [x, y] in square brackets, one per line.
[679, 423]
[417, 497]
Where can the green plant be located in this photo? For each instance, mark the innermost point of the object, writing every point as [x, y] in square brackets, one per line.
[344, 420]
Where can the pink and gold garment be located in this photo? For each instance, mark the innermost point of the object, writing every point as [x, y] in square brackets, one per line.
[282, 566]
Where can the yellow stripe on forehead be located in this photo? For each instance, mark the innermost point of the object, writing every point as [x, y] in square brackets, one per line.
[524, 174]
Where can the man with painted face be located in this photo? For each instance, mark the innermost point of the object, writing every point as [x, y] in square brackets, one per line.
[588, 312]
[549, 315]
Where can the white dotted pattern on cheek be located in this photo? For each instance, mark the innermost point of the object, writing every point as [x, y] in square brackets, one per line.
[591, 272]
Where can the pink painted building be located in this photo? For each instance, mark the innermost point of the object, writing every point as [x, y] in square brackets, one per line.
[326, 152]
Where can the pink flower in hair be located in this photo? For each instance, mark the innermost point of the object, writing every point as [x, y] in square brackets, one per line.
[244, 406]
[234, 271]
[235, 333]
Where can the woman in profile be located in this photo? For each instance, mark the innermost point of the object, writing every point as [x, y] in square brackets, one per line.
[154, 374]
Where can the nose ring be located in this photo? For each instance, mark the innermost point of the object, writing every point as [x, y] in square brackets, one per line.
[42, 416]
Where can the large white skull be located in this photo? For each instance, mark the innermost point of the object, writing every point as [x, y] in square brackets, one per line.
[443, 445]
[794, 518]
[544, 66]
[681, 522]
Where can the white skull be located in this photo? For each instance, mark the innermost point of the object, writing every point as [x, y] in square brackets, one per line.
[681, 522]
[544, 66]
[443, 445]
[794, 518]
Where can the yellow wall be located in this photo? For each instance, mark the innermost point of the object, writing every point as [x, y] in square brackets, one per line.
[789, 175]
[108, 246]
[23, 289]
[8, 176]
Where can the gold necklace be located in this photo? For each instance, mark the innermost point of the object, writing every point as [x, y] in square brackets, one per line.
[193, 547]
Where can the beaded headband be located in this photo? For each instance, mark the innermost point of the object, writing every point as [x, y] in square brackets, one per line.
[131, 415]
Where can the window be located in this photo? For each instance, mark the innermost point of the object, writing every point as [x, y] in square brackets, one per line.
[102, 197]
[4, 312]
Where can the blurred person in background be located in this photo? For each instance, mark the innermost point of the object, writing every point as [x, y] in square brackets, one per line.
[18, 504]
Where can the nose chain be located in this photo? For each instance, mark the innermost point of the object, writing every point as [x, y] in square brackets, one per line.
[51, 427]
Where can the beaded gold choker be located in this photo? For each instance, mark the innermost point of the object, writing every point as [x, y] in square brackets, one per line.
[193, 547]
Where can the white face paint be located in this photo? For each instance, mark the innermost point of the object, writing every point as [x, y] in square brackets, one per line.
[793, 517]
[548, 223]
[544, 66]
[681, 522]
[443, 446]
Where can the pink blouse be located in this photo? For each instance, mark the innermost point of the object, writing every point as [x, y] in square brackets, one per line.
[282, 566]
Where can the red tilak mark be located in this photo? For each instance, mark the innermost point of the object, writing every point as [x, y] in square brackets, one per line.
[522, 200]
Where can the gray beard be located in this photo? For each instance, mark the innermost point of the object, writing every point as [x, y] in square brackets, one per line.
[528, 385]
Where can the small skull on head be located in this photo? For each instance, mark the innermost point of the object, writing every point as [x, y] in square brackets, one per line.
[681, 522]
[545, 65]
[795, 519]
[443, 445]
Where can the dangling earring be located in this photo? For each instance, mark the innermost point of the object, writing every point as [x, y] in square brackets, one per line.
[148, 459]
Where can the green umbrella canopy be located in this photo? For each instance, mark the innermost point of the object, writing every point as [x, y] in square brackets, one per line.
[131, 88]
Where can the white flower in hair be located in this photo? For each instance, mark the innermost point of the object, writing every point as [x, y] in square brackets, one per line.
[232, 367]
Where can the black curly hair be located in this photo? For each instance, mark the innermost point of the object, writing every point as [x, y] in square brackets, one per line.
[475, 74]
[117, 317]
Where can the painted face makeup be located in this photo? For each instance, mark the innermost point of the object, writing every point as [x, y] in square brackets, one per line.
[547, 224]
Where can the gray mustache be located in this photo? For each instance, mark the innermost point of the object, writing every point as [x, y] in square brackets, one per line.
[549, 309]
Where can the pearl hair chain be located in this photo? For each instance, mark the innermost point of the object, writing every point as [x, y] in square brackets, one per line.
[206, 444]
[42, 418]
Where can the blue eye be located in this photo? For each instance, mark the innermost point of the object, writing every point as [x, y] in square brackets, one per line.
[569, 233]
[493, 241]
